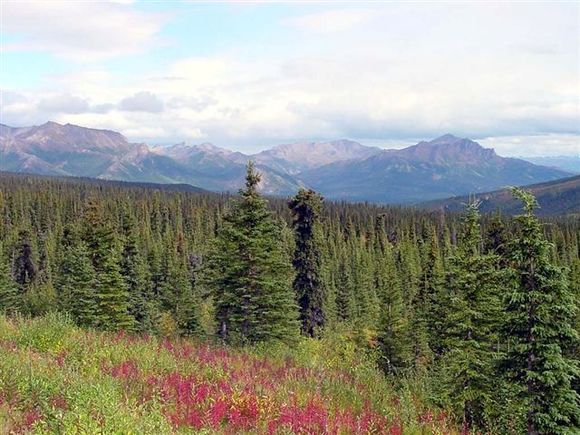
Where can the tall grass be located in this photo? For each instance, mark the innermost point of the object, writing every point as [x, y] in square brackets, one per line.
[57, 378]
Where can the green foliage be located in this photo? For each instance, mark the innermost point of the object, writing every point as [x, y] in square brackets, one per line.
[249, 273]
[77, 281]
[539, 327]
[24, 265]
[308, 283]
[65, 378]
[10, 300]
[416, 292]
[473, 315]
[111, 295]
[136, 275]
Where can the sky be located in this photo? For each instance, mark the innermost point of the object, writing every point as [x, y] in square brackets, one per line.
[248, 75]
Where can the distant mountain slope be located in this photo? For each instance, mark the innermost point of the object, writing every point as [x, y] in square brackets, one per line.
[25, 178]
[443, 167]
[565, 163]
[220, 169]
[297, 157]
[340, 169]
[54, 149]
[555, 198]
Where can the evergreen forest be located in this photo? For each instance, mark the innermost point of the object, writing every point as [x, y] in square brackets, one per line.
[480, 310]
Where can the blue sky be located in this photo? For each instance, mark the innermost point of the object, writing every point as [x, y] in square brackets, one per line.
[249, 75]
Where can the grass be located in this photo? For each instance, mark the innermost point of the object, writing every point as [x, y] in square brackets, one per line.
[57, 378]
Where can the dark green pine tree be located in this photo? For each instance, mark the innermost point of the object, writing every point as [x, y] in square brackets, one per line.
[306, 207]
[77, 280]
[416, 305]
[137, 277]
[496, 237]
[393, 337]
[24, 266]
[250, 274]
[10, 298]
[111, 295]
[346, 309]
[189, 315]
[473, 316]
[432, 291]
[539, 326]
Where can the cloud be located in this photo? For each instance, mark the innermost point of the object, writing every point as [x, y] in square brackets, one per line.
[142, 102]
[8, 97]
[198, 103]
[63, 103]
[102, 108]
[404, 77]
[81, 31]
[536, 145]
[338, 20]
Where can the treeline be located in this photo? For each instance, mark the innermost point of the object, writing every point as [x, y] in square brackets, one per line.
[480, 308]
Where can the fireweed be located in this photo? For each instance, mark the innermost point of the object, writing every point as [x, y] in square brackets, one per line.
[56, 378]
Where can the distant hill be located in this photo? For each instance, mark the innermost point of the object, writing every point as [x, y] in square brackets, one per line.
[29, 178]
[340, 169]
[565, 163]
[555, 198]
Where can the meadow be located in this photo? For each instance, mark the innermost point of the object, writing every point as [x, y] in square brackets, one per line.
[58, 378]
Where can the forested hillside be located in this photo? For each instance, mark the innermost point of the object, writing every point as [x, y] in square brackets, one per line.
[442, 300]
[558, 197]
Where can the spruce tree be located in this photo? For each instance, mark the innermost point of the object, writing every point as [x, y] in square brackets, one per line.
[432, 291]
[24, 266]
[249, 273]
[77, 281]
[473, 314]
[111, 295]
[189, 314]
[346, 307]
[539, 328]
[306, 207]
[135, 273]
[393, 337]
[10, 299]
[415, 303]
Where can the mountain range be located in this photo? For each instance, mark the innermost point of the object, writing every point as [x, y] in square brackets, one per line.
[341, 169]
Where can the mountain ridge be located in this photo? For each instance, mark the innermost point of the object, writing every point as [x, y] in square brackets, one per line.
[340, 169]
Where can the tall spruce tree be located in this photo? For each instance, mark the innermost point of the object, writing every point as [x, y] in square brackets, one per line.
[111, 295]
[473, 315]
[250, 274]
[24, 265]
[136, 275]
[432, 290]
[393, 337]
[539, 328]
[306, 207]
[346, 309]
[77, 280]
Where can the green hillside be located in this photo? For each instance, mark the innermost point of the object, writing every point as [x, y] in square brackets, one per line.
[557, 197]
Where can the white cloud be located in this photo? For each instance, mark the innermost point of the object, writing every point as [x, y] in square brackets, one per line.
[63, 103]
[417, 72]
[79, 30]
[142, 102]
[538, 145]
[331, 21]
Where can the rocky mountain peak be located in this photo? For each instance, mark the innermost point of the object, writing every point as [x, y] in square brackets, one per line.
[449, 149]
